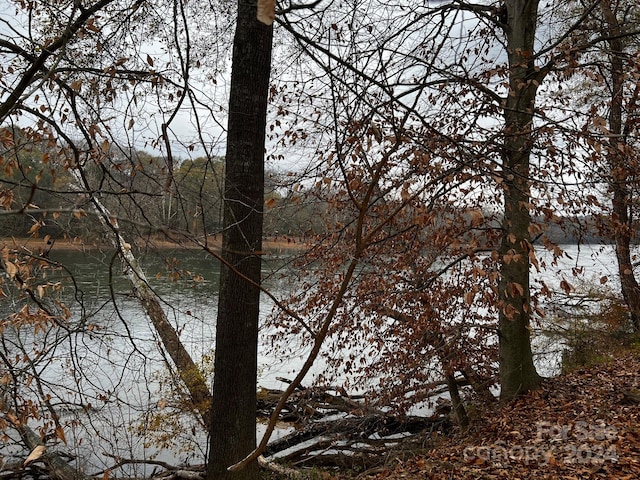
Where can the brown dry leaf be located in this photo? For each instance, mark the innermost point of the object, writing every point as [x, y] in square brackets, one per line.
[11, 269]
[266, 11]
[468, 297]
[34, 228]
[477, 217]
[566, 286]
[76, 85]
[35, 454]
[516, 289]
[60, 434]
[404, 194]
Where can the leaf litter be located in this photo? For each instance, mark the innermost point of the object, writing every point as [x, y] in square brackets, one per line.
[581, 425]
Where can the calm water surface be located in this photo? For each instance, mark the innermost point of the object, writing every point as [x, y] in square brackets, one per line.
[123, 369]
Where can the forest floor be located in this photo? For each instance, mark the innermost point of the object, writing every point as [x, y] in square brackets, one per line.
[581, 425]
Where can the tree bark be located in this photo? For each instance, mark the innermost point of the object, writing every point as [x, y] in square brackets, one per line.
[233, 420]
[187, 369]
[457, 404]
[57, 467]
[621, 171]
[517, 371]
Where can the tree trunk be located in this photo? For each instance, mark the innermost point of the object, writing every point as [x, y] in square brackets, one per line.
[57, 467]
[233, 420]
[187, 369]
[517, 371]
[457, 404]
[621, 172]
[628, 282]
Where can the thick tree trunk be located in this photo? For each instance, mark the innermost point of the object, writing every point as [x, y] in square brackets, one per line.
[517, 371]
[233, 424]
[621, 171]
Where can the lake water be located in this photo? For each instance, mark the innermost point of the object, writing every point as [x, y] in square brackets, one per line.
[119, 370]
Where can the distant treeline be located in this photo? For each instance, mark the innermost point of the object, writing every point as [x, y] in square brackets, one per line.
[578, 230]
[40, 195]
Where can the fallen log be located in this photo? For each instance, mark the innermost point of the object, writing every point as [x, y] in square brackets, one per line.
[57, 467]
[356, 462]
[280, 469]
[357, 429]
[311, 403]
[181, 475]
[355, 435]
[295, 438]
[357, 455]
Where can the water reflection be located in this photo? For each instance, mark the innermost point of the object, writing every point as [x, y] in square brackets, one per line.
[104, 368]
[112, 366]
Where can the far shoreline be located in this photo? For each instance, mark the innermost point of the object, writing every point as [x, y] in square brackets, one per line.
[38, 245]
